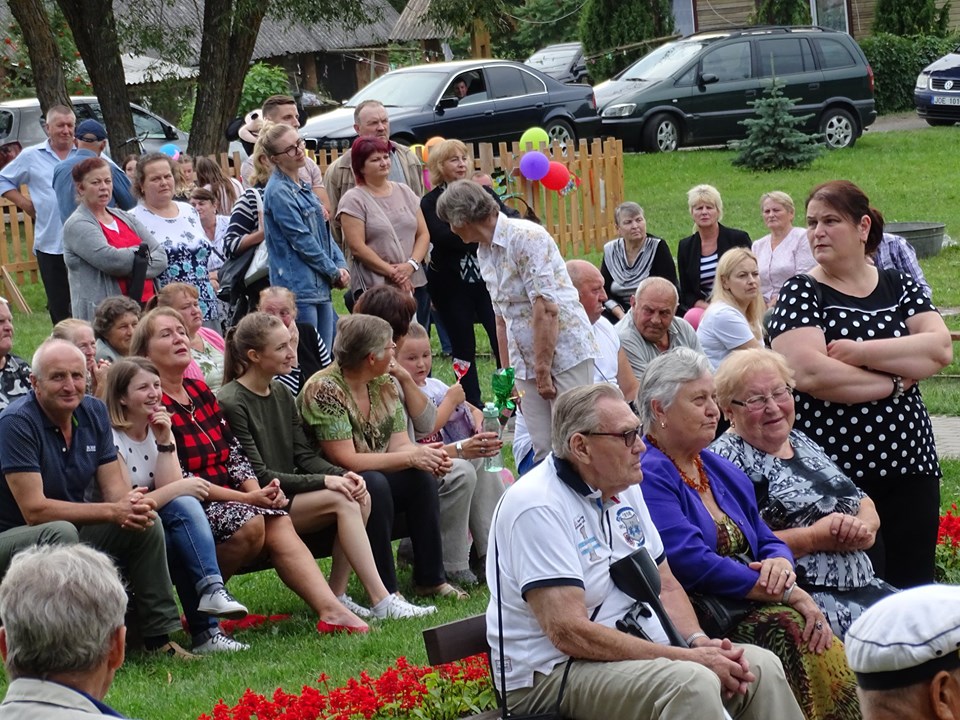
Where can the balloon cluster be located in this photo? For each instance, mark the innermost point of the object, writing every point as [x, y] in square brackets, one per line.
[536, 166]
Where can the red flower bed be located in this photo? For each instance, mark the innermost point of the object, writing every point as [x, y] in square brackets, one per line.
[444, 692]
[948, 547]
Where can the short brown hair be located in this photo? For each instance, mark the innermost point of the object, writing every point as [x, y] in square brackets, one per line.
[391, 304]
[141, 336]
[275, 101]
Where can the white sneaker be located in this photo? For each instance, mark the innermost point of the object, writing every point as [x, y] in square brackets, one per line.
[218, 642]
[353, 606]
[220, 603]
[395, 607]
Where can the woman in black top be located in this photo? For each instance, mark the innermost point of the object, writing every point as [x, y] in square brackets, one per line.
[456, 288]
[698, 254]
[312, 353]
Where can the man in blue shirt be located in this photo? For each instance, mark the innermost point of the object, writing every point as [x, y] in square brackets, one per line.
[63, 635]
[91, 139]
[54, 444]
[34, 168]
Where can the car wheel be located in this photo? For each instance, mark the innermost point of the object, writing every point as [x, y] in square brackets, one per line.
[838, 128]
[661, 134]
[940, 123]
[560, 131]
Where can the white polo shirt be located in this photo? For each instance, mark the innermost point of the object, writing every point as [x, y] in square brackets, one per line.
[552, 529]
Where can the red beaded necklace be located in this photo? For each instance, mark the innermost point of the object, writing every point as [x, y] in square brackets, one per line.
[701, 484]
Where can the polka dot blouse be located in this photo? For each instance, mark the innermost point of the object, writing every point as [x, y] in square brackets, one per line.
[877, 439]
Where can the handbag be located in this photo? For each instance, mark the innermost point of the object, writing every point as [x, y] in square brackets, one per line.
[719, 614]
[232, 274]
[259, 264]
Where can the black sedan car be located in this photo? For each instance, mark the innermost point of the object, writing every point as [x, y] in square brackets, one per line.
[937, 93]
[471, 100]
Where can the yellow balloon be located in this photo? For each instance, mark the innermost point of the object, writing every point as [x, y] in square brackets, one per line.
[422, 150]
[532, 137]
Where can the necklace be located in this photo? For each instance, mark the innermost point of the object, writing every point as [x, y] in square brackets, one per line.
[701, 484]
[189, 408]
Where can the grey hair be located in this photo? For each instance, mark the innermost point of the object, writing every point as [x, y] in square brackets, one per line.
[626, 210]
[465, 202]
[359, 336]
[39, 356]
[663, 377]
[60, 605]
[575, 411]
[655, 282]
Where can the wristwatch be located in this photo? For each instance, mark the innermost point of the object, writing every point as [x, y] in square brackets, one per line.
[459, 447]
[172, 447]
[414, 263]
[897, 387]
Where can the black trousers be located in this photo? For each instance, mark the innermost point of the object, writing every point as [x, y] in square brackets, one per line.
[460, 305]
[415, 494]
[909, 509]
[56, 283]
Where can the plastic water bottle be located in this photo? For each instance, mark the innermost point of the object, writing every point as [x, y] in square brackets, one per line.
[491, 423]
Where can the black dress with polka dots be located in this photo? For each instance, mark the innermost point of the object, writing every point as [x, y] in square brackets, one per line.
[878, 439]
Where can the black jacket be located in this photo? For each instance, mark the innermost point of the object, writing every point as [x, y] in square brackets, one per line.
[688, 263]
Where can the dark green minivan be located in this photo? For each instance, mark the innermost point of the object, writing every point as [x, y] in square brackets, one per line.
[695, 91]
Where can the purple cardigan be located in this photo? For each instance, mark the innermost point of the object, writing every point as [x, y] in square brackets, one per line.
[689, 532]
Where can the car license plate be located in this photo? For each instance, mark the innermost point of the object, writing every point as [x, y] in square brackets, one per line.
[941, 100]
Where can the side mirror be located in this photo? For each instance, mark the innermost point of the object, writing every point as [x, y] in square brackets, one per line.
[447, 103]
[707, 79]
[171, 132]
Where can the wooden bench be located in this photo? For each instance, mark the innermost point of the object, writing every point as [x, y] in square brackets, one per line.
[458, 640]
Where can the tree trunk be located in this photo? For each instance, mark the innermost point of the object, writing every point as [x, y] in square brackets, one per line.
[100, 50]
[45, 60]
[229, 36]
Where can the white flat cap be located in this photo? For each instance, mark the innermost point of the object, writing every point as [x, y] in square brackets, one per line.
[906, 638]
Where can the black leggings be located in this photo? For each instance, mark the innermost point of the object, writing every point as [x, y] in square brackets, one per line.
[56, 284]
[909, 509]
[459, 307]
[415, 494]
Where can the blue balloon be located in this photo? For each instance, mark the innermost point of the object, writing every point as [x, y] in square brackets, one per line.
[534, 165]
[170, 150]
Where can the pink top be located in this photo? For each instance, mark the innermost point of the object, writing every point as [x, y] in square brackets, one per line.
[792, 256]
[215, 339]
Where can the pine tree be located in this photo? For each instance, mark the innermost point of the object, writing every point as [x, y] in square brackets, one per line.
[774, 140]
[609, 24]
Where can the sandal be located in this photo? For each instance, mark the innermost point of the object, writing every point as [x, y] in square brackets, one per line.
[444, 590]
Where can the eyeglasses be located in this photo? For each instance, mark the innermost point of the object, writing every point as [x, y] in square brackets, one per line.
[759, 402]
[629, 437]
[293, 149]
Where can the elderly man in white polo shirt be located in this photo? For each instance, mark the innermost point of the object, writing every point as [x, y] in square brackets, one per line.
[555, 535]
[542, 329]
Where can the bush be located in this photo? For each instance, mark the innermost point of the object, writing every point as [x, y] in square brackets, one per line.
[911, 17]
[896, 62]
[609, 24]
[261, 82]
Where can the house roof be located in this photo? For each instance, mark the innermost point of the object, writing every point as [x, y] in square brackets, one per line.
[414, 24]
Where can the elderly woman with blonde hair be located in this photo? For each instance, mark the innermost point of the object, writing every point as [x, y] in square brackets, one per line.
[809, 503]
[785, 251]
[733, 319]
[698, 254]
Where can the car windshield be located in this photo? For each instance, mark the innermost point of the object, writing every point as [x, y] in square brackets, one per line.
[552, 59]
[6, 123]
[662, 62]
[407, 89]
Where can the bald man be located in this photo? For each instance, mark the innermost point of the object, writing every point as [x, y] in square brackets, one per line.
[55, 442]
[612, 365]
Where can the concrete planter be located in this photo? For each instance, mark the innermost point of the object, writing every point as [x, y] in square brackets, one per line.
[925, 237]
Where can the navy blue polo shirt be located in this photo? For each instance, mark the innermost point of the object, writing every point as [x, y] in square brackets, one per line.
[30, 442]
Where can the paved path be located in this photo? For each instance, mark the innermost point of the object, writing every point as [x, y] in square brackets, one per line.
[946, 430]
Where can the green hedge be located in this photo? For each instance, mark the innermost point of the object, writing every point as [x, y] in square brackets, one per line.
[896, 62]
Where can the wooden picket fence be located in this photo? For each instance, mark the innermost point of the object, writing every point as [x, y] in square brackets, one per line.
[581, 220]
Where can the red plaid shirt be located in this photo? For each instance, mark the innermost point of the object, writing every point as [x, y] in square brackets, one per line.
[205, 444]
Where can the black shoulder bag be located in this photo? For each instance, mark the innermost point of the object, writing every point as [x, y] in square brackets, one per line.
[138, 275]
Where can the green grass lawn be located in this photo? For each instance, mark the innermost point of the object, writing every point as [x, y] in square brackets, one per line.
[904, 174]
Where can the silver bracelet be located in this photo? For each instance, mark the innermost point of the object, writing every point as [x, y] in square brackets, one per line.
[696, 636]
[787, 593]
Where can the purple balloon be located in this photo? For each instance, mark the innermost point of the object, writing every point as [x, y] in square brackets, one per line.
[534, 165]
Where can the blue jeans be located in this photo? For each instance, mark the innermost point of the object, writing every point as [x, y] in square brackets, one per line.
[323, 317]
[192, 557]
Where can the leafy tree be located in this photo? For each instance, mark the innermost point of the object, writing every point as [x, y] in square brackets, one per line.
[261, 82]
[781, 12]
[609, 24]
[538, 23]
[911, 17]
[774, 141]
[45, 54]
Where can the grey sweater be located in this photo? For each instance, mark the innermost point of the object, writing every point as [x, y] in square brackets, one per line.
[93, 265]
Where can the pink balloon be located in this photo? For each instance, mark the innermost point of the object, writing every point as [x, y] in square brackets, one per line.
[534, 165]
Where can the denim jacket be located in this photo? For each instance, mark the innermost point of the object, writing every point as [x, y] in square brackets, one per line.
[303, 257]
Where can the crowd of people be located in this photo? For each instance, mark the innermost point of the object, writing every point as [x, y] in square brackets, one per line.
[200, 405]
